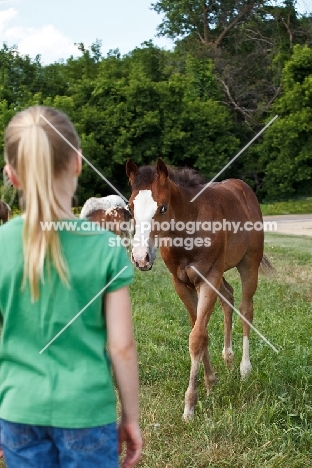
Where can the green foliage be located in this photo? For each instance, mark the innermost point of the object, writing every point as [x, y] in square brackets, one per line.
[184, 105]
[286, 152]
[209, 20]
[287, 207]
[6, 113]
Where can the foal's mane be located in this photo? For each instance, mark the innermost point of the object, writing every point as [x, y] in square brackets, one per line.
[183, 176]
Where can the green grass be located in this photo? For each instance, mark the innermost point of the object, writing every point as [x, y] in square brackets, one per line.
[287, 207]
[276, 208]
[264, 421]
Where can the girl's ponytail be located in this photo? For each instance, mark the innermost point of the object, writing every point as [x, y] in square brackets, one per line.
[38, 155]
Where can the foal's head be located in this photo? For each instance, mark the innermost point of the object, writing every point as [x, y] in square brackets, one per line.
[149, 205]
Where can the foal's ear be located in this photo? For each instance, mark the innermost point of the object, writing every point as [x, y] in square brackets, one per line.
[162, 171]
[131, 170]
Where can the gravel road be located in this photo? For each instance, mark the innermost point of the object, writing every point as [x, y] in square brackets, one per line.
[300, 225]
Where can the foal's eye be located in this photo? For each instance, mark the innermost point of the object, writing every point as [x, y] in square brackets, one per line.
[163, 209]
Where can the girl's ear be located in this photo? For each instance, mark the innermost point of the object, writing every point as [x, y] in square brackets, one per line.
[12, 176]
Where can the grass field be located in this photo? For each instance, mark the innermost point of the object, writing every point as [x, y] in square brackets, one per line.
[287, 207]
[274, 208]
[262, 422]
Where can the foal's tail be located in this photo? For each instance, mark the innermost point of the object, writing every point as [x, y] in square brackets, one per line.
[266, 268]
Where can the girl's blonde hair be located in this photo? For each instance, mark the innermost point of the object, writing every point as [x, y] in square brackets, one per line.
[39, 154]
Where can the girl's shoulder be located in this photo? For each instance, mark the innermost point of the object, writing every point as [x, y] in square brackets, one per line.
[11, 238]
[83, 233]
[13, 225]
[85, 228]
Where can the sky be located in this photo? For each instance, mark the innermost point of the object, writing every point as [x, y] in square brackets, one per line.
[52, 27]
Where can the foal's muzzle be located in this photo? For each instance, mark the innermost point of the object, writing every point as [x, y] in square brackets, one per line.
[145, 264]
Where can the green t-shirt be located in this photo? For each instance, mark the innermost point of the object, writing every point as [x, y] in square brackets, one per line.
[69, 384]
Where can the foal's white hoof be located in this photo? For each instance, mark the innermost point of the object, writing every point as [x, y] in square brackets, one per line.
[245, 369]
[188, 415]
[228, 357]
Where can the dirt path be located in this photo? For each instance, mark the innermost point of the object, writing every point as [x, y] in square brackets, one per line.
[300, 225]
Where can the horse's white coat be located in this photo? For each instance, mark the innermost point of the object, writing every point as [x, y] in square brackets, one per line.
[245, 365]
[144, 209]
[107, 204]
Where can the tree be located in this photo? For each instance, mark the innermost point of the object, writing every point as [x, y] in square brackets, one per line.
[210, 20]
[149, 104]
[248, 42]
[286, 151]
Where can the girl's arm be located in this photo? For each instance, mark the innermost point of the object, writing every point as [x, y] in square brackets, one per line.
[122, 351]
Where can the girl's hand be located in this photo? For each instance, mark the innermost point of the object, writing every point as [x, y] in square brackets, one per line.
[129, 433]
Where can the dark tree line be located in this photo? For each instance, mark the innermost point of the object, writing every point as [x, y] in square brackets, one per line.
[234, 66]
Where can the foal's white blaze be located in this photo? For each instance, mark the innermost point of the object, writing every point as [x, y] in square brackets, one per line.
[245, 365]
[144, 209]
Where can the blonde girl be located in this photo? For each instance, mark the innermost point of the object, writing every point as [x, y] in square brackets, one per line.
[66, 314]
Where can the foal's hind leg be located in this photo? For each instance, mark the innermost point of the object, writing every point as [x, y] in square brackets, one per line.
[249, 278]
[226, 292]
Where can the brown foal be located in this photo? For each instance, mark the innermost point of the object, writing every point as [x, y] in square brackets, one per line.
[199, 241]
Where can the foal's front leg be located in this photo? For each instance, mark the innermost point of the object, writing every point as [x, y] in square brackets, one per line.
[198, 342]
[189, 298]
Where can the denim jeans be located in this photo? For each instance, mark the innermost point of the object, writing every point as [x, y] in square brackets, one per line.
[27, 446]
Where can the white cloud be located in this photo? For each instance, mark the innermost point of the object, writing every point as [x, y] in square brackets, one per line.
[6, 16]
[47, 41]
